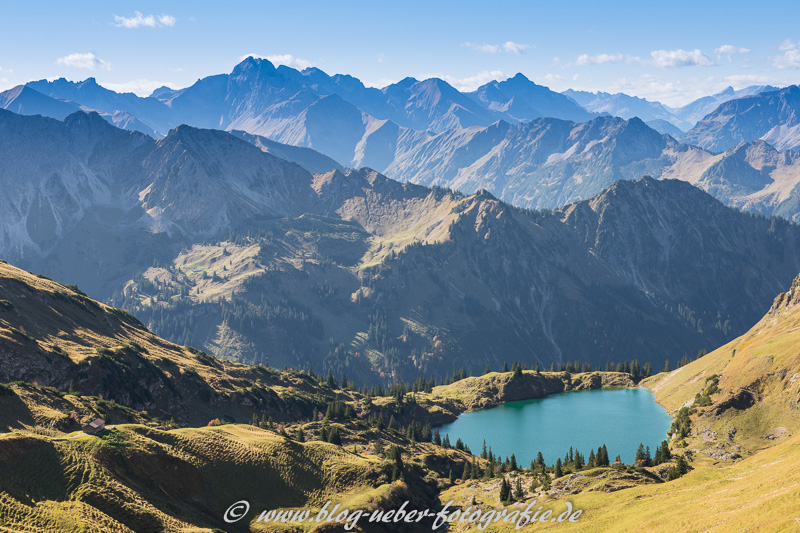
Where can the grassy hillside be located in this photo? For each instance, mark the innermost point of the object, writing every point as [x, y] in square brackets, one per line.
[53, 335]
[743, 446]
[138, 479]
[759, 384]
[739, 406]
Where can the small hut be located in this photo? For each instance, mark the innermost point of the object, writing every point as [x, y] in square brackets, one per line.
[94, 426]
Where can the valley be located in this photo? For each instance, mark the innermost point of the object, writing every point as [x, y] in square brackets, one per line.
[397, 268]
[722, 441]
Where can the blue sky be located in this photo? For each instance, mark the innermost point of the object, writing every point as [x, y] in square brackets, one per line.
[673, 52]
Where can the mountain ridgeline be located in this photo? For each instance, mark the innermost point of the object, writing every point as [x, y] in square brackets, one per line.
[214, 243]
[524, 143]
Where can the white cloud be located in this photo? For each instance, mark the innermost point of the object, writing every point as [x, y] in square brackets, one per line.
[470, 83]
[551, 78]
[680, 58]
[509, 46]
[515, 48]
[676, 93]
[485, 48]
[140, 87]
[599, 59]
[790, 57]
[139, 20]
[729, 49]
[282, 59]
[87, 61]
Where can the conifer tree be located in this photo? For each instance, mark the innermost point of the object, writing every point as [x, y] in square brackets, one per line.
[666, 455]
[505, 492]
[559, 472]
[519, 493]
[333, 436]
[640, 453]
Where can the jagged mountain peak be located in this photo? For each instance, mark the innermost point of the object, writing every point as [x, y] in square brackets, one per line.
[403, 84]
[253, 65]
[519, 77]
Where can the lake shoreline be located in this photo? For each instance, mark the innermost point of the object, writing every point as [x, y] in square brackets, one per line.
[445, 403]
[621, 417]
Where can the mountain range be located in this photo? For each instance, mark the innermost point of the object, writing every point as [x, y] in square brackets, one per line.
[682, 118]
[213, 242]
[772, 116]
[548, 163]
[523, 142]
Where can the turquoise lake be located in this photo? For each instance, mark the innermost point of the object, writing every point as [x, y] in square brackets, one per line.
[585, 420]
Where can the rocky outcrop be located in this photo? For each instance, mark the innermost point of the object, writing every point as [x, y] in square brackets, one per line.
[740, 400]
[788, 299]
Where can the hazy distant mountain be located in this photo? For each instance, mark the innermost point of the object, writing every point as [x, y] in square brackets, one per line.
[663, 126]
[521, 99]
[695, 111]
[625, 106]
[548, 163]
[309, 159]
[543, 163]
[772, 116]
[147, 115]
[310, 108]
[214, 243]
[26, 101]
[74, 167]
[753, 176]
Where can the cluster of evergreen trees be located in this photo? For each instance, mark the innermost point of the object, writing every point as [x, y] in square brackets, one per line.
[507, 497]
[331, 435]
[643, 457]
[682, 423]
[338, 410]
